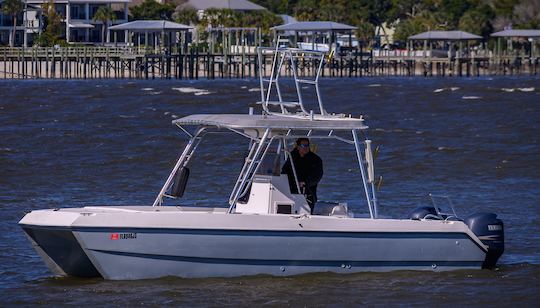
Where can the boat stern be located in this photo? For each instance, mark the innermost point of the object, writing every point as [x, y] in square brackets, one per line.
[490, 230]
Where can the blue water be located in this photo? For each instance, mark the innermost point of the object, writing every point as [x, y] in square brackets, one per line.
[76, 143]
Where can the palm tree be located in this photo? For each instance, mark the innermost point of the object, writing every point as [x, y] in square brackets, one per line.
[104, 14]
[13, 8]
[186, 15]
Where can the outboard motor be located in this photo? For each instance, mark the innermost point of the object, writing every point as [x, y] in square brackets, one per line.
[490, 231]
[424, 212]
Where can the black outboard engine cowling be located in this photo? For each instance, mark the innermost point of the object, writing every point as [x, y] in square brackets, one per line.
[490, 231]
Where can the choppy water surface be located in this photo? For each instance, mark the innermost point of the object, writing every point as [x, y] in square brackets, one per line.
[75, 143]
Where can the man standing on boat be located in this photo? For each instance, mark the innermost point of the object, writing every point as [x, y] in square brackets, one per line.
[309, 171]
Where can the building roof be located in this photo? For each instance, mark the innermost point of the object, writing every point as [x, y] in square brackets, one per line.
[151, 25]
[246, 121]
[77, 1]
[517, 33]
[287, 19]
[237, 5]
[313, 26]
[445, 36]
[80, 25]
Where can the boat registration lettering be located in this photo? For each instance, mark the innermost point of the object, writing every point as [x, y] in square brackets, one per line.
[123, 236]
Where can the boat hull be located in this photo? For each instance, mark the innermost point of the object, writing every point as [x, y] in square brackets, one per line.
[259, 244]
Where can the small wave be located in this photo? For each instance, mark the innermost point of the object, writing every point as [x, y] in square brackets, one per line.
[202, 93]
[444, 89]
[508, 89]
[526, 89]
[254, 90]
[374, 85]
[147, 89]
[126, 116]
[243, 87]
[155, 92]
[471, 97]
[189, 90]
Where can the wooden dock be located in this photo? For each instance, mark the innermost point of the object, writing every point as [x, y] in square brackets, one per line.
[113, 62]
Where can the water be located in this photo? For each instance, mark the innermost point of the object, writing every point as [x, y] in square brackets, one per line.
[75, 143]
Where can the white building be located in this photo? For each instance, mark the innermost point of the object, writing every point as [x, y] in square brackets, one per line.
[77, 20]
[23, 24]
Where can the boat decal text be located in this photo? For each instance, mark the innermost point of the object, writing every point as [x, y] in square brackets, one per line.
[123, 236]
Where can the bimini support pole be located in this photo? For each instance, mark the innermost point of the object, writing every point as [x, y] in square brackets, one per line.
[363, 172]
[188, 150]
[247, 172]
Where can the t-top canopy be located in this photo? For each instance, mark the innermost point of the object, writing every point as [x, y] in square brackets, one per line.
[151, 25]
[313, 26]
[445, 36]
[246, 121]
[517, 33]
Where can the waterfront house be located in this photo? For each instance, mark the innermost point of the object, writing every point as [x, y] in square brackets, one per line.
[78, 26]
[28, 22]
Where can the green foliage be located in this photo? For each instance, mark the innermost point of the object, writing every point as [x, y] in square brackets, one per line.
[12, 8]
[186, 15]
[229, 18]
[504, 8]
[104, 14]
[152, 10]
[409, 17]
[417, 24]
[477, 21]
[53, 27]
[527, 14]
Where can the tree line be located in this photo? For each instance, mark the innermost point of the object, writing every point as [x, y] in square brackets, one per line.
[408, 17]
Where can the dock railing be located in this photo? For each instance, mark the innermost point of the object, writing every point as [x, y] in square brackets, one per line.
[96, 51]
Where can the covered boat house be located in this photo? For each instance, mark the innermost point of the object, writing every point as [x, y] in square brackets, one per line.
[315, 35]
[448, 39]
[155, 36]
[528, 39]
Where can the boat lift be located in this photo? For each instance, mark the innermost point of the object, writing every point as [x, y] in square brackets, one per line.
[280, 122]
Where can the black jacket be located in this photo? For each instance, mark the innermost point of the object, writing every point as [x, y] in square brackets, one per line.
[309, 169]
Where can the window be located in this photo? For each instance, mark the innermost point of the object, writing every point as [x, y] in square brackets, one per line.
[77, 11]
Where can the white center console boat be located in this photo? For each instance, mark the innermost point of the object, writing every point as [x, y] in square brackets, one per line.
[264, 227]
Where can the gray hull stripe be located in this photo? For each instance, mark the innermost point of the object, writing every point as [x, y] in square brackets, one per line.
[314, 263]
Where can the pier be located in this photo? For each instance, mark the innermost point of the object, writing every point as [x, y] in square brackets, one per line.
[139, 63]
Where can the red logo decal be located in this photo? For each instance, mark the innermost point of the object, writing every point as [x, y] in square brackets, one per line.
[114, 236]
